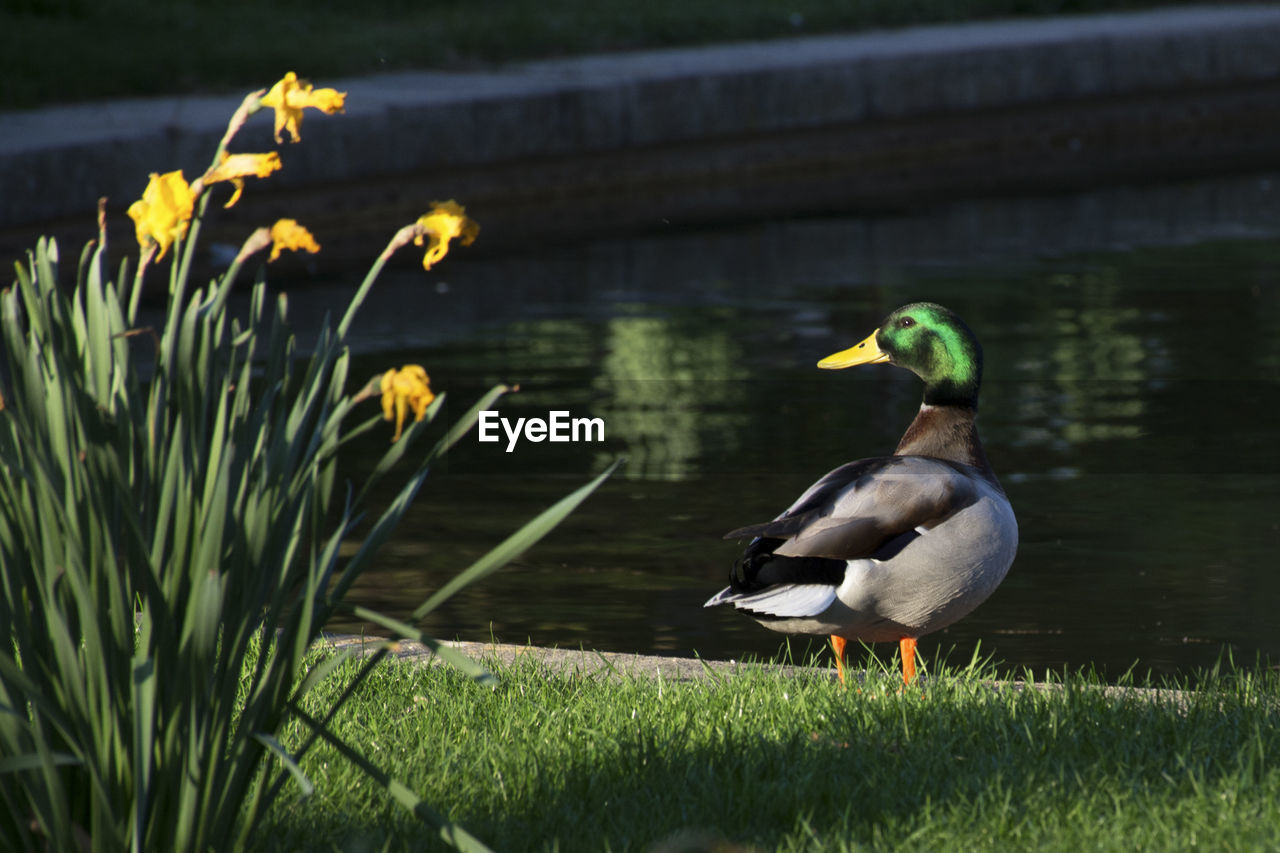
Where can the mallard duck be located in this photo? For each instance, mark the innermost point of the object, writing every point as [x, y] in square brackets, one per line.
[892, 547]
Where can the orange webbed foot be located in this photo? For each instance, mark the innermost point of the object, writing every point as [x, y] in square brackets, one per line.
[907, 649]
[837, 646]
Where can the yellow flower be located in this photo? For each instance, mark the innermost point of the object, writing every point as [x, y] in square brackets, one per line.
[408, 386]
[447, 220]
[165, 209]
[236, 167]
[288, 234]
[290, 96]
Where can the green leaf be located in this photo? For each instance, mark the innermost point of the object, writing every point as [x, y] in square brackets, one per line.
[318, 673]
[401, 793]
[144, 708]
[515, 544]
[455, 433]
[34, 761]
[444, 652]
[393, 454]
[463, 425]
[205, 614]
[283, 754]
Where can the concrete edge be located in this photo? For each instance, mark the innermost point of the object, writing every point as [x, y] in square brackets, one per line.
[56, 162]
[584, 662]
[561, 661]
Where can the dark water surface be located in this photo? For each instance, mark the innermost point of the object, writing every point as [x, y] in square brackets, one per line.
[1130, 407]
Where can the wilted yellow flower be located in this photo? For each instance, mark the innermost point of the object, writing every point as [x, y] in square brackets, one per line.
[447, 220]
[408, 386]
[290, 96]
[236, 167]
[288, 234]
[162, 214]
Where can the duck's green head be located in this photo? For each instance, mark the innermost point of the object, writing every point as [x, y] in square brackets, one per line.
[931, 342]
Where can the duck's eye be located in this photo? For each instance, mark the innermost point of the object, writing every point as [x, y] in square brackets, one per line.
[906, 323]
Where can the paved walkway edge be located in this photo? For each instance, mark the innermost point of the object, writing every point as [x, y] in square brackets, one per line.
[561, 661]
[573, 661]
[544, 129]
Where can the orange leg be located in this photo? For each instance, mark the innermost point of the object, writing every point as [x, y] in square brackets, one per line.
[907, 648]
[837, 645]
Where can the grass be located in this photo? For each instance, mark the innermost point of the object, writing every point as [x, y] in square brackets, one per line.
[765, 761]
[70, 50]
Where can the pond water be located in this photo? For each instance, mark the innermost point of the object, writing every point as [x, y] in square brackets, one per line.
[1130, 407]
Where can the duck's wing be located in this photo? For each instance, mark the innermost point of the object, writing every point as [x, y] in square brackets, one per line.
[872, 508]
[863, 509]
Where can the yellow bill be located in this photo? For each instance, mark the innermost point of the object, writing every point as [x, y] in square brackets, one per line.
[866, 352]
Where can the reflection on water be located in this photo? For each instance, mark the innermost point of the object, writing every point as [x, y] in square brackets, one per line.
[1130, 407]
[673, 393]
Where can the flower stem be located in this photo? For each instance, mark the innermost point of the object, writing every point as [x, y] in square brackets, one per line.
[250, 105]
[402, 237]
[358, 299]
[136, 294]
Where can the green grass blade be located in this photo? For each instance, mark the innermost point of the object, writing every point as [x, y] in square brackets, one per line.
[326, 667]
[450, 832]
